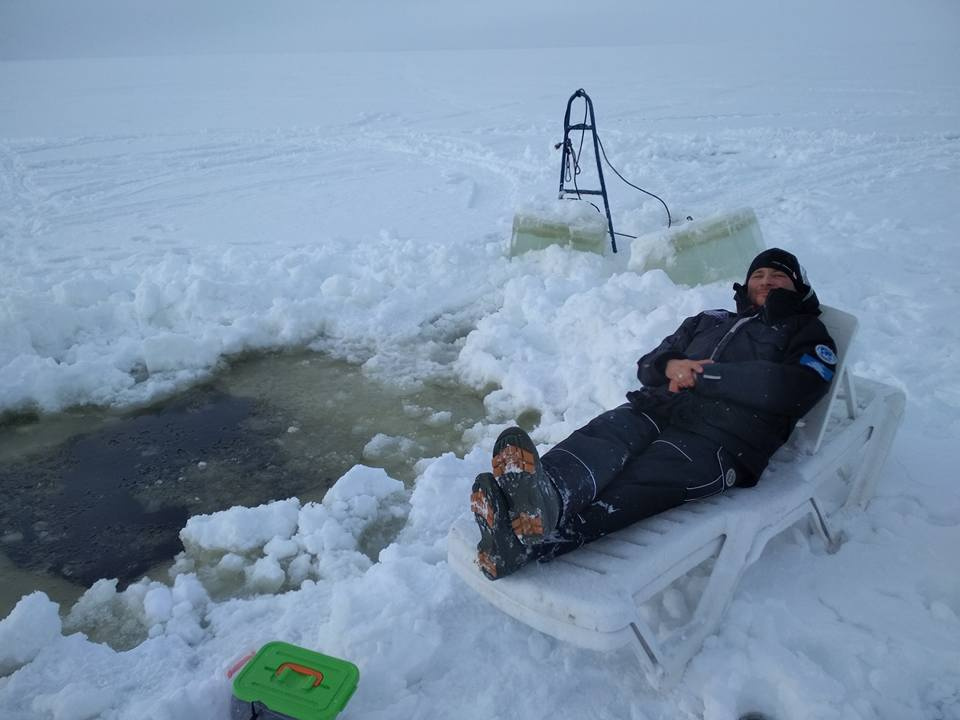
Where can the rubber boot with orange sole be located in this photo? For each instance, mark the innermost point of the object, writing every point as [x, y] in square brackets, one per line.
[499, 552]
[533, 500]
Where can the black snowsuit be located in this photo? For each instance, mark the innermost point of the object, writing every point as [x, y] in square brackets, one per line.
[661, 449]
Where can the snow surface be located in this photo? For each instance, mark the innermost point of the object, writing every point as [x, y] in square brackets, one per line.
[182, 181]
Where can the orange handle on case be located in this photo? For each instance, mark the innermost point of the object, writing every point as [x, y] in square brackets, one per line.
[239, 664]
[303, 670]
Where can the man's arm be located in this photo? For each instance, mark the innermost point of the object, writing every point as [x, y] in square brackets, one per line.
[651, 368]
[789, 388]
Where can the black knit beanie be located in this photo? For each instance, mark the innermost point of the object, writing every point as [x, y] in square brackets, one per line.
[782, 260]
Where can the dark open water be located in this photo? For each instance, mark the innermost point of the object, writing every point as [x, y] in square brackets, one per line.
[91, 493]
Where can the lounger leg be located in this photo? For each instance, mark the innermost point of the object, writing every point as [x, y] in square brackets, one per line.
[664, 663]
[648, 653]
[820, 525]
[884, 431]
[718, 593]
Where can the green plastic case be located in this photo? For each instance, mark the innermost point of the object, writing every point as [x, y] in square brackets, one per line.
[283, 681]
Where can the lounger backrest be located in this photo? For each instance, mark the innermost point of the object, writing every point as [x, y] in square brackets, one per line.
[842, 327]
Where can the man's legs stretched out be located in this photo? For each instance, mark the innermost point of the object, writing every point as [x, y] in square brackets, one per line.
[524, 504]
[678, 467]
[569, 477]
[589, 459]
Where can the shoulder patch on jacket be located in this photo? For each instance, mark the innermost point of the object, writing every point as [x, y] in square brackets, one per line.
[826, 354]
[817, 366]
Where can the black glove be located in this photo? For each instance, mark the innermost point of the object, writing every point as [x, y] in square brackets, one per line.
[781, 303]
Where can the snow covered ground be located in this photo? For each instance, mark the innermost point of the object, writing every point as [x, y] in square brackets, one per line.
[179, 183]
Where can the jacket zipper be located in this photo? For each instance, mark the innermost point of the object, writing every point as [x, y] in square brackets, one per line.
[724, 341]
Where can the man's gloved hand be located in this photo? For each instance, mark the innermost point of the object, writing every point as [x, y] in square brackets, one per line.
[682, 374]
[781, 303]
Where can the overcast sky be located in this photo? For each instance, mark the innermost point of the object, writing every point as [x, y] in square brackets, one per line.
[37, 29]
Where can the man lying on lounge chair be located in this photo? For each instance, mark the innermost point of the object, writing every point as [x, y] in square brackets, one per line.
[719, 396]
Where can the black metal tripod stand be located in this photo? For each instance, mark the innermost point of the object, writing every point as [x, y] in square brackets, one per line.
[570, 163]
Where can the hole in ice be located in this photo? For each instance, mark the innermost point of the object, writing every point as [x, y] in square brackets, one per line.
[528, 419]
[92, 494]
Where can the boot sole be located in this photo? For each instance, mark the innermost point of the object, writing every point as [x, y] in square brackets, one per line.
[514, 459]
[527, 527]
[516, 467]
[499, 552]
[481, 508]
[488, 565]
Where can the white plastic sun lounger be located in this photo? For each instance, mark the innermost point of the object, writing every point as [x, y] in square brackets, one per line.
[662, 586]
